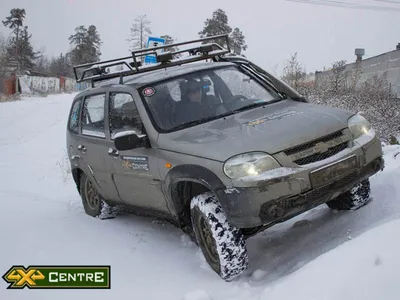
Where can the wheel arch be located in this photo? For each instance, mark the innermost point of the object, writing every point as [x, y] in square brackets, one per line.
[186, 181]
[77, 173]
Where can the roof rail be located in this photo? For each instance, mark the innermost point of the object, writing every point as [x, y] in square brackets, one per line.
[99, 71]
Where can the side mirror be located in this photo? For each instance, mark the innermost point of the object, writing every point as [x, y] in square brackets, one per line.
[128, 140]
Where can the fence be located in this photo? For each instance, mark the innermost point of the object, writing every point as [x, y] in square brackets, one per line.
[26, 84]
[36, 84]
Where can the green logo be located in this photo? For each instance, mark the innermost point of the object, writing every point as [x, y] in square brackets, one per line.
[58, 277]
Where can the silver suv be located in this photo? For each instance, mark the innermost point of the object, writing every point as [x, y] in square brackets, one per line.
[213, 144]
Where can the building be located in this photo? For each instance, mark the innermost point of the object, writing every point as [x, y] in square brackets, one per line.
[388, 62]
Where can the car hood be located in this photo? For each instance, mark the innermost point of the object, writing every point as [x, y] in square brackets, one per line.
[271, 129]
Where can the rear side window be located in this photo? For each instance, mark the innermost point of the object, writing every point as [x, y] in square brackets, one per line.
[93, 116]
[73, 124]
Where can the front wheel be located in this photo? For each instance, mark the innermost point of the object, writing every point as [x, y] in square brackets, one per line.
[222, 244]
[354, 199]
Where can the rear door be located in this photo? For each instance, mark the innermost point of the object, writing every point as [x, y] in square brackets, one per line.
[73, 133]
[135, 173]
[92, 144]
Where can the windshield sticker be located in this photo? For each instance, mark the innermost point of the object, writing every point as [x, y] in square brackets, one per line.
[256, 122]
[149, 91]
[137, 163]
[272, 117]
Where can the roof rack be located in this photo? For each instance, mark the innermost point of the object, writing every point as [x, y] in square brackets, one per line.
[99, 71]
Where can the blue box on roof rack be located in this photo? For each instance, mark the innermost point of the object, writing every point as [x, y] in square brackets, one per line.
[153, 42]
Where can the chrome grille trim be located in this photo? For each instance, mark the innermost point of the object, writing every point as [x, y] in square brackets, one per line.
[320, 148]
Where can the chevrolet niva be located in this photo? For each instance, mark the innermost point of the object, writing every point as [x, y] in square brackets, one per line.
[213, 144]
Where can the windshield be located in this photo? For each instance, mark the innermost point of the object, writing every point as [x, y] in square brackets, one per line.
[202, 96]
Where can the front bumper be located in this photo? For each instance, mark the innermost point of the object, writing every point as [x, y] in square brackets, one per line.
[273, 199]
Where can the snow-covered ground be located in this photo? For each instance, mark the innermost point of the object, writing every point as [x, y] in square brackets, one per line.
[319, 255]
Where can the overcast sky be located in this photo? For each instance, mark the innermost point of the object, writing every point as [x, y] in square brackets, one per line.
[274, 29]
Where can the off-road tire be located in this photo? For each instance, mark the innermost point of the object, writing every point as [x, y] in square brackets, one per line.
[93, 203]
[357, 197]
[223, 245]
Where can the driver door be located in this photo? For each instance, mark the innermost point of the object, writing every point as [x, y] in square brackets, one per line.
[135, 172]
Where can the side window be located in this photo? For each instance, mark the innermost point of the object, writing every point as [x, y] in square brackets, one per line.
[123, 114]
[93, 116]
[73, 123]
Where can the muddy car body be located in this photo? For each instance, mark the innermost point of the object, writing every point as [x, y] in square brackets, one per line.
[251, 153]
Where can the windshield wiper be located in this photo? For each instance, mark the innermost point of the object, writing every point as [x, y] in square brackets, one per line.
[194, 122]
[256, 104]
[207, 119]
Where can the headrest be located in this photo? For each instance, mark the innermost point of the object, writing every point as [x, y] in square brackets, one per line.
[129, 108]
[190, 86]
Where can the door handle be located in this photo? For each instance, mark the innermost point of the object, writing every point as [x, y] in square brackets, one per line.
[113, 152]
[82, 148]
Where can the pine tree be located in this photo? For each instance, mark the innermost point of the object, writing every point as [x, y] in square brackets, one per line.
[140, 32]
[86, 43]
[218, 24]
[15, 21]
[28, 55]
[93, 43]
[20, 48]
[237, 42]
[79, 37]
[78, 53]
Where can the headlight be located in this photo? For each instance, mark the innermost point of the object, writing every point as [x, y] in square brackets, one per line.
[249, 164]
[358, 126]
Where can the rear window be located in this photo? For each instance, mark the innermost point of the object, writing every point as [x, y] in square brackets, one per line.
[73, 123]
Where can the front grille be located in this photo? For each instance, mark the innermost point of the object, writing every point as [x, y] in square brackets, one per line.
[319, 149]
[311, 144]
[320, 156]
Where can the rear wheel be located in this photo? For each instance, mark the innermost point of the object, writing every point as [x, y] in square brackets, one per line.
[222, 244]
[93, 204]
[354, 199]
